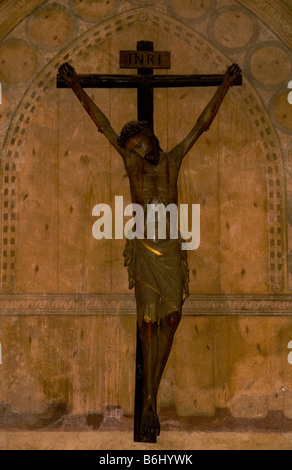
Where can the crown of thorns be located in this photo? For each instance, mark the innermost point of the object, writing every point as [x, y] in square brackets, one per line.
[132, 129]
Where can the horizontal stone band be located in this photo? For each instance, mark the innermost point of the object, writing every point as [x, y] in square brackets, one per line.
[124, 304]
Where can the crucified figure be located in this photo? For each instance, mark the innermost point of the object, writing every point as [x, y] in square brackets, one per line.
[157, 267]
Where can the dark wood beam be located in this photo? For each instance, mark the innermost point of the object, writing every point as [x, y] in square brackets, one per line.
[154, 81]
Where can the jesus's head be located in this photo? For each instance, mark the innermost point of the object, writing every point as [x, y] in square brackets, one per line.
[138, 136]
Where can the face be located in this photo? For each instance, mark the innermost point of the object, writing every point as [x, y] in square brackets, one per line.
[141, 144]
[145, 146]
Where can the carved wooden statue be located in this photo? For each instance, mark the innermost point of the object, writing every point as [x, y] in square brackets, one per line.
[157, 268]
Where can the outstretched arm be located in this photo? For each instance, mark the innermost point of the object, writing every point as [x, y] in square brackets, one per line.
[207, 117]
[97, 116]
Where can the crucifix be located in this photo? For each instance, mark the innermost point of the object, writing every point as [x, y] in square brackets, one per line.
[157, 267]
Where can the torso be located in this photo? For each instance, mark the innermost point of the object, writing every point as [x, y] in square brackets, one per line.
[153, 184]
[148, 181]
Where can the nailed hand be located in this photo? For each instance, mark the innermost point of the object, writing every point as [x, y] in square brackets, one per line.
[68, 73]
[232, 73]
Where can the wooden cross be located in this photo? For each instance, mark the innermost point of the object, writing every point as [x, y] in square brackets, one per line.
[145, 59]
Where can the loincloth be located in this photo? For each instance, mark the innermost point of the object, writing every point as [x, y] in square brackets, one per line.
[159, 272]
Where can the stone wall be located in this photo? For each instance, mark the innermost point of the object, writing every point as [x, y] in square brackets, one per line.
[67, 319]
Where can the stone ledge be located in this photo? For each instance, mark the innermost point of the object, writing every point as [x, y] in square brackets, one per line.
[57, 419]
[114, 440]
[124, 304]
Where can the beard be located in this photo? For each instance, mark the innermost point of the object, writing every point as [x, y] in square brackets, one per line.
[153, 157]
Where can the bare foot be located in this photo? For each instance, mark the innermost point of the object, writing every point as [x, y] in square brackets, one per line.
[150, 423]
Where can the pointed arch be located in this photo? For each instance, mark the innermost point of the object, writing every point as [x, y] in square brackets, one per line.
[96, 35]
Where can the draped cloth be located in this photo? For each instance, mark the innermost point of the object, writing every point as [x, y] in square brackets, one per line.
[159, 272]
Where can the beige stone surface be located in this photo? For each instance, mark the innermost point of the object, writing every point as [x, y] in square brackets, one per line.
[12, 52]
[283, 112]
[233, 29]
[276, 13]
[56, 167]
[51, 26]
[13, 12]
[93, 10]
[122, 441]
[88, 364]
[191, 9]
[6, 108]
[271, 65]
